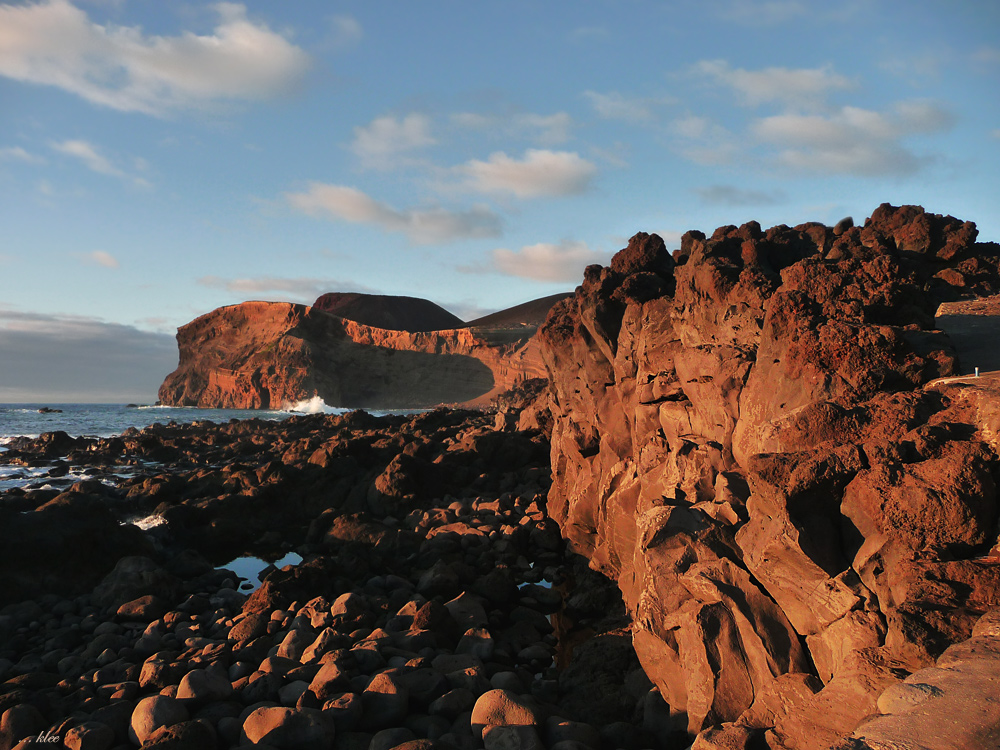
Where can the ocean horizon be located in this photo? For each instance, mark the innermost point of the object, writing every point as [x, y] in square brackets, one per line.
[32, 419]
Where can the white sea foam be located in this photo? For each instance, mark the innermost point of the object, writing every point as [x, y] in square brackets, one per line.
[148, 522]
[314, 405]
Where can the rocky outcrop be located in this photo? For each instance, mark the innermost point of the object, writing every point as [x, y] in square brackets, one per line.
[747, 437]
[260, 355]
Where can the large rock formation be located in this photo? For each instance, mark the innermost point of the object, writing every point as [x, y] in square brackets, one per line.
[259, 355]
[748, 438]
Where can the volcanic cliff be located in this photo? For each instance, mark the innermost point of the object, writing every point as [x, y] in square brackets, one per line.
[259, 355]
[753, 438]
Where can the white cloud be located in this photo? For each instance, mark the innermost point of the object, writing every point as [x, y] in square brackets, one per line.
[384, 139]
[546, 261]
[304, 290]
[424, 226]
[730, 195]
[16, 153]
[616, 106]
[995, 133]
[789, 85]
[54, 43]
[73, 358]
[101, 258]
[539, 173]
[853, 140]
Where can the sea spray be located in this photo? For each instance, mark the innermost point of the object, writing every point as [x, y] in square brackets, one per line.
[314, 405]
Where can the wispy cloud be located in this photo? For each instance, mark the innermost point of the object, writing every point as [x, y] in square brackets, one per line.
[563, 261]
[540, 173]
[89, 155]
[546, 130]
[852, 140]
[382, 142]
[345, 31]
[704, 141]
[919, 68]
[421, 226]
[759, 12]
[617, 106]
[101, 258]
[54, 43]
[730, 195]
[798, 86]
[95, 161]
[304, 290]
[987, 55]
[16, 153]
[589, 33]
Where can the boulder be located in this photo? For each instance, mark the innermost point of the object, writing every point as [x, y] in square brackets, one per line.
[154, 712]
[288, 728]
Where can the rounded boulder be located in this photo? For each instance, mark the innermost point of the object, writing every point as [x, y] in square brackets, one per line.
[288, 728]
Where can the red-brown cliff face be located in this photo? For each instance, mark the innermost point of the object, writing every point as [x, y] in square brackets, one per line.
[747, 438]
[259, 355]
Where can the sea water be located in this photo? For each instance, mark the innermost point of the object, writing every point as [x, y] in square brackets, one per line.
[105, 420]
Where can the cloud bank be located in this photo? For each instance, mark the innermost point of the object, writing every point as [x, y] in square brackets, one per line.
[72, 358]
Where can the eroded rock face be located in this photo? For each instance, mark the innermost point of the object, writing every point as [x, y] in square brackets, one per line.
[745, 439]
[259, 355]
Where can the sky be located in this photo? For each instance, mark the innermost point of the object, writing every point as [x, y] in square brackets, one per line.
[160, 160]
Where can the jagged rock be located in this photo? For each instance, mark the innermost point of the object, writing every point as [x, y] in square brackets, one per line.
[773, 392]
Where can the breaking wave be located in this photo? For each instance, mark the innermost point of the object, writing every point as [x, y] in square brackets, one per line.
[314, 405]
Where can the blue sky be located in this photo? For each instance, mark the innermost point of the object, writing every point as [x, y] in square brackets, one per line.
[159, 160]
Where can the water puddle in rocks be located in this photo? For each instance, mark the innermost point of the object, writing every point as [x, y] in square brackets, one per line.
[250, 568]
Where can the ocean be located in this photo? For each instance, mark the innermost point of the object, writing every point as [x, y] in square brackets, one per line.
[105, 420]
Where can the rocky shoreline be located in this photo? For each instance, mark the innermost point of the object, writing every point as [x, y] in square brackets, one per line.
[434, 592]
